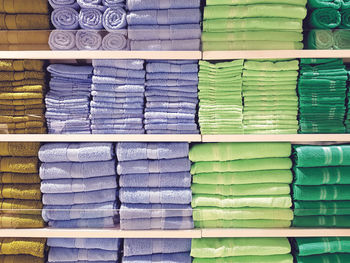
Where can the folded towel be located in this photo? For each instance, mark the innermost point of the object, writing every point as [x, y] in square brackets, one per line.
[21, 65]
[170, 258]
[21, 191]
[338, 257]
[24, 6]
[21, 221]
[19, 148]
[19, 178]
[287, 258]
[21, 259]
[321, 245]
[115, 41]
[321, 176]
[309, 208]
[90, 18]
[88, 40]
[171, 83]
[120, 73]
[117, 88]
[114, 18]
[176, 76]
[19, 164]
[322, 192]
[162, 92]
[325, 18]
[104, 222]
[155, 67]
[74, 254]
[155, 4]
[81, 73]
[159, 45]
[64, 3]
[65, 18]
[250, 223]
[119, 81]
[24, 22]
[133, 64]
[111, 244]
[157, 223]
[25, 246]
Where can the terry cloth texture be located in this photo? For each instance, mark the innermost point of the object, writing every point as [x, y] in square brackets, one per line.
[171, 97]
[117, 105]
[238, 185]
[73, 197]
[156, 204]
[68, 100]
[22, 85]
[20, 185]
[31, 250]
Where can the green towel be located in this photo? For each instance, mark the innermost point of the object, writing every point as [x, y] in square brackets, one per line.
[319, 61]
[277, 66]
[345, 4]
[321, 245]
[252, 35]
[270, 74]
[250, 223]
[251, 45]
[229, 247]
[322, 221]
[321, 192]
[325, 18]
[324, 258]
[341, 39]
[251, 2]
[336, 4]
[324, 175]
[287, 258]
[345, 18]
[283, 201]
[257, 10]
[314, 156]
[251, 177]
[310, 208]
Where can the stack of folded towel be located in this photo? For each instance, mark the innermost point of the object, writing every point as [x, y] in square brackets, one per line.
[117, 96]
[157, 250]
[270, 98]
[22, 250]
[23, 15]
[79, 185]
[155, 186]
[164, 25]
[253, 24]
[220, 95]
[321, 189]
[241, 185]
[68, 100]
[22, 87]
[322, 249]
[171, 95]
[20, 185]
[322, 94]
[84, 250]
[223, 250]
[88, 25]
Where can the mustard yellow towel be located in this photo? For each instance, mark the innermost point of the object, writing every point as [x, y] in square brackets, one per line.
[24, 246]
[16, 178]
[22, 89]
[27, 165]
[21, 191]
[21, 221]
[20, 96]
[23, 107]
[21, 259]
[22, 125]
[21, 75]
[24, 82]
[21, 65]
[24, 22]
[35, 112]
[24, 47]
[21, 102]
[29, 37]
[19, 148]
[18, 119]
[24, 131]
[26, 207]
[24, 6]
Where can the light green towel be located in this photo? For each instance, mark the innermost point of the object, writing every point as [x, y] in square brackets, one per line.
[251, 45]
[321, 245]
[322, 221]
[229, 247]
[273, 74]
[252, 35]
[324, 175]
[287, 258]
[309, 208]
[324, 258]
[321, 192]
[251, 2]
[250, 223]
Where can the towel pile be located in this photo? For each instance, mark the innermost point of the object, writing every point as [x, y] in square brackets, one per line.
[270, 98]
[147, 250]
[155, 186]
[88, 25]
[22, 250]
[19, 19]
[83, 250]
[322, 94]
[68, 100]
[171, 95]
[79, 185]
[20, 185]
[321, 189]
[223, 250]
[164, 25]
[117, 96]
[241, 185]
[253, 24]
[220, 95]
[22, 87]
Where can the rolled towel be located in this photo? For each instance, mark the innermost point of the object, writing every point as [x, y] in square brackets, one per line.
[164, 17]
[111, 244]
[105, 222]
[170, 258]
[341, 39]
[314, 4]
[170, 223]
[325, 18]
[181, 179]
[155, 4]
[91, 4]
[115, 41]
[64, 3]
[120, 73]
[65, 18]
[345, 18]
[90, 18]
[76, 152]
[134, 64]
[76, 254]
[320, 39]
[62, 40]
[112, 3]
[88, 40]
[114, 18]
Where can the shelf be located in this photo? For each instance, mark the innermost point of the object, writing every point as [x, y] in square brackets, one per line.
[101, 54]
[256, 54]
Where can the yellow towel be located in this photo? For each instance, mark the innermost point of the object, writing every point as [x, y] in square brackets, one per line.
[21, 75]
[24, 6]
[27, 165]
[34, 112]
[24, 131]
[17, 178]
[21, 259]
[21, 65]
[28, 37]
[18, 119]
[24, 22]
[24, 246]
[24, 82]
[23, 125]
[21, 102]
[24, 47]
[21, 221]
[21, 191]
[21, 207]
[19, 148]
[23, 107]
[20, 96]
[26, 88]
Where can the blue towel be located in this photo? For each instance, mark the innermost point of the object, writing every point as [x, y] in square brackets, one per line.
[117, 121]
[184, 89]
[81, 261]
[156, 4]
[119, 81]
[166, 45]
[74, 254]
[172, 132]
[118, 131]
[70, 71]
[139, 100]
[157, 67]
[115, 41]
[178, 110]
[166, 93]
[65, 18]
[169, 223]
[119, 73]
[88, 40]
[114, 18]
[112, 3]
[90, 18]
[95, 104]
[76, 152]
[139, 195]
[133, 211]
[165, 99]
[166, 32]
[149, 246]
[176, 76]
[92, 4]
[176, 62]
[135, 64]
[82, 211]
[172, 127]
[168, 121]
[170, 115]
[111, 244]
[104, 222]
[64, 3]
[170, 105]
[62, 40]
[160, 258]
[116, 113]
[127, 151]
[171, 82]
[164, 17]
[116, 94]
[116, 116]
[118, 88]
[117, 126]
[64, 127]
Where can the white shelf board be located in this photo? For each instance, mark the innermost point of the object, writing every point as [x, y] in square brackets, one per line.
[98, 54]
[100, 137]
[256, 54]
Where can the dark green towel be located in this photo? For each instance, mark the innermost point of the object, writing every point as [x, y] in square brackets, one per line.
[320, 39]
[336, 4]
[310, 208]
[324, 175]
[318, 61]
[345, 18]
[306, 246]
[325, 18]
[331, 258]
[321, 192]
[321, 221]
